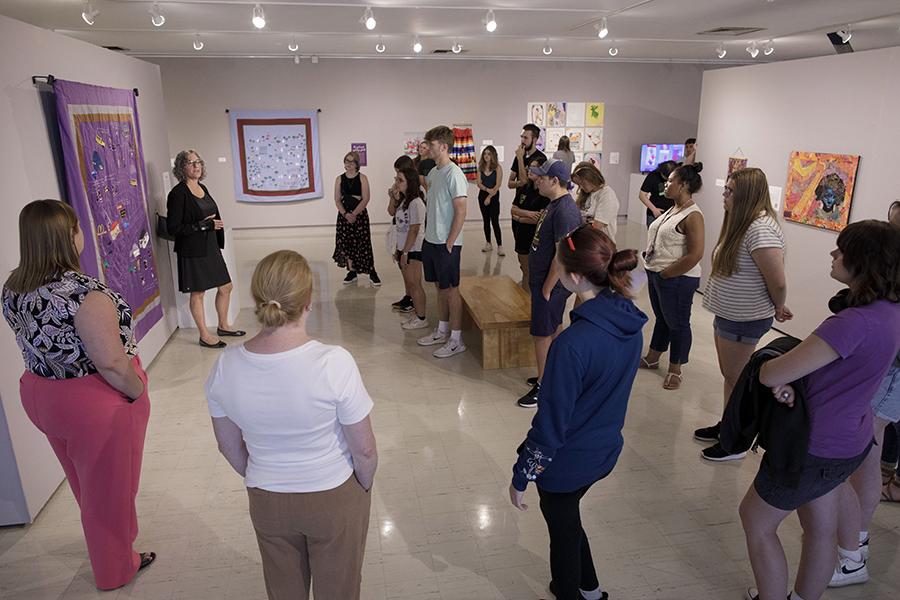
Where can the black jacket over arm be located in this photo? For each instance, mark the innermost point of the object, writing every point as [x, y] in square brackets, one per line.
[186, 223]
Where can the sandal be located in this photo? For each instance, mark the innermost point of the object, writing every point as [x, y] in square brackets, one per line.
[672, 381]
[891, 491]
[887, 473]
[147, 559]
[650, 366]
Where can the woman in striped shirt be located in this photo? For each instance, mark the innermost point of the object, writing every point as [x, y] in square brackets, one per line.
[746, 290]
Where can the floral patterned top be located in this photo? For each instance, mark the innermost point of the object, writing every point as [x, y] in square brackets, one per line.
[44, 323]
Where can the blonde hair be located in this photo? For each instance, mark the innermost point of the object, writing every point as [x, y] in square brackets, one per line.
[281, 288]
[47, 231]
[749, 198]
[353, 156]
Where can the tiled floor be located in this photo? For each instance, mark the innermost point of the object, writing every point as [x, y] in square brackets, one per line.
[663, 525]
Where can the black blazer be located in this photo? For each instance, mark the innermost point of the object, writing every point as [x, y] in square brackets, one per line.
[185, 221]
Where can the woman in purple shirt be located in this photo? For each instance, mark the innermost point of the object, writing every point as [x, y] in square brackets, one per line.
[842, 364]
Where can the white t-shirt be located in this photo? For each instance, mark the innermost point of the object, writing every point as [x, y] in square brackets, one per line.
[603, 205]
[290, 407]
[404, 217]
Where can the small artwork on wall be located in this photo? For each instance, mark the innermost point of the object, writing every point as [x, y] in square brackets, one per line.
[553, 135]
[736, 163]
[556, 114]
[593, 114]
[537, 113]
[593, 139]
[542, 140]
[575, 114]
[576, 139]
[819, 189]
[593, 158]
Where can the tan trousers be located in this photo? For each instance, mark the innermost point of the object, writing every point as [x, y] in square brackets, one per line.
[318, 536]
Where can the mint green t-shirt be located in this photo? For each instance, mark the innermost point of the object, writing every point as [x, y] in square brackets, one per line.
[444, 184]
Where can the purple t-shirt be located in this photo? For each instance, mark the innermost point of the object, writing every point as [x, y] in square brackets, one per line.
[839, 395]
[558, 220]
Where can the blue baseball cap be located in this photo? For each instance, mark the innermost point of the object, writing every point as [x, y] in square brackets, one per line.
[554, 168]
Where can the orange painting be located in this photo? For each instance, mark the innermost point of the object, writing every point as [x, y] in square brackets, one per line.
[820, 189]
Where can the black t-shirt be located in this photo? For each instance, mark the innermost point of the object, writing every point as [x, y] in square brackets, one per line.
[528, 197]
[655, 185]
[425, 167]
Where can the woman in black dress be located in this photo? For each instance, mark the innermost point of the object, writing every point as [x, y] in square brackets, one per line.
[353, 239]
[194, 220]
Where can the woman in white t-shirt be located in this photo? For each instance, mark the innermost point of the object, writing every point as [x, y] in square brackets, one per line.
[408, 210]
[597, 201]
[747, 289]
[291, 416]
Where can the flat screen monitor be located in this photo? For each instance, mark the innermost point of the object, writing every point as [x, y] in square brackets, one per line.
[653, 154]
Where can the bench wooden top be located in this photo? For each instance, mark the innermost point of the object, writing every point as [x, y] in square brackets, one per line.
[496, 302]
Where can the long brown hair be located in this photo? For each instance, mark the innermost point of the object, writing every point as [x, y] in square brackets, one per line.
[47, 231]
[749, 198]
[871, 253]
[412, 186]
[591, 174]
[593, 255]
[484, 164]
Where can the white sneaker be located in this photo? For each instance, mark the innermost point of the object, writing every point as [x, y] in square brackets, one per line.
[864, 548]
[500, 251]
[849, 572]
[487, 248]
[449, 349]
[433, 338]
[414, 323]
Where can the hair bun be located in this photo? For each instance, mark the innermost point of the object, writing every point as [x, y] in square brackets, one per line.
[623, 261]
[698, 166]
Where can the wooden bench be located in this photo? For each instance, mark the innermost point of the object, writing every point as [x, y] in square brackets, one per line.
[498, 310]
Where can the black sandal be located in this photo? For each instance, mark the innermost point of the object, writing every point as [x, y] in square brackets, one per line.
[235, 333]
[217, 345]
[147, 559]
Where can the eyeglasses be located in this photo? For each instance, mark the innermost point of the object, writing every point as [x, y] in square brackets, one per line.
[195, 163]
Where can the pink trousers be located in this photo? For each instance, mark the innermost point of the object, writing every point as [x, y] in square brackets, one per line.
[98, 437]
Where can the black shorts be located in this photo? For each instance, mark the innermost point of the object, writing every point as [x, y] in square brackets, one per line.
[523, 234]
[441, 267]
[412, 256]
[546, 316]
[819, 477]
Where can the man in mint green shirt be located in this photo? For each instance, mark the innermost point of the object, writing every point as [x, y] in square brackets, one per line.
[445, 214]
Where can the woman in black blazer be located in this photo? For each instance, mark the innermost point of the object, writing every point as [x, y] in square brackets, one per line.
[194, 220]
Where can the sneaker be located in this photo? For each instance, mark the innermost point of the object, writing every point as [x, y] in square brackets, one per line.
[373, 277]
[530, 399]
[753, 594]
[864, 548]
[552, 586]
[406, 309]
[350, 278]
[414, 323]
[531, 381]
[487, 247]
[718, 454]
[849, 572]
[401, 304]
[500, 252]
[449, 349]
[433, 338]
[708, 434]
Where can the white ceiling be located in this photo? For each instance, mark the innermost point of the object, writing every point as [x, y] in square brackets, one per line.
[642, 30]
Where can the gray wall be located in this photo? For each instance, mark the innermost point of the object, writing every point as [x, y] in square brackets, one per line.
[29, 170]
[843, 104]
[376, 101]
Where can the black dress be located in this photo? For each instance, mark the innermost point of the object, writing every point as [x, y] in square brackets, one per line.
[353, 241]
[201, 273]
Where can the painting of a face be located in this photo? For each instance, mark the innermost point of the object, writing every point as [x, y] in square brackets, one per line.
[820, 189]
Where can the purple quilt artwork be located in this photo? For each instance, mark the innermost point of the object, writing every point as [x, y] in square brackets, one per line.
[107, 186]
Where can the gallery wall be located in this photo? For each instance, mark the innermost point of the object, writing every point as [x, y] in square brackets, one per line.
[376, 101]
[29, 169]
[843, 104]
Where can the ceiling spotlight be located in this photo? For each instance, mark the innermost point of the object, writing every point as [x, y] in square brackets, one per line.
[613, 51]
[752, 50]
[548, 50]
[380, 47]
[490, 22]
[89, 13]
[456, 48]
[156, 17]
[259, 17]
[769, 47]
[293, 46]
[603, 28]
[845, 33]
[721, 51]
[198, 43]
[417, 45]
[368, 19]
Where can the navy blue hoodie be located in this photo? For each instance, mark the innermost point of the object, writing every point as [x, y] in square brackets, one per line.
[576, 435]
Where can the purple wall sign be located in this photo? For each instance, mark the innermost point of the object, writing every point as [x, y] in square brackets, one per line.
[107, 186]
[361, 148]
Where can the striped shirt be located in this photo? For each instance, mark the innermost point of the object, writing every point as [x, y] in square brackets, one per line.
[743, 296]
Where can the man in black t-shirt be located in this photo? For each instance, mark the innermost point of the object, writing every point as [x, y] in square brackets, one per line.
[424, 165]
[653, 191]
[528, 202]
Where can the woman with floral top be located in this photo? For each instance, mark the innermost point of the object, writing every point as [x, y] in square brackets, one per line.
[83, 386]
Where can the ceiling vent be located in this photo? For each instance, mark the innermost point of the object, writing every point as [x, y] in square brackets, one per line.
[731, 31]
[117, 48]
[448, 51]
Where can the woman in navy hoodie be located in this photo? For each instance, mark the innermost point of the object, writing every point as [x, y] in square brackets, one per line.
[576, 435]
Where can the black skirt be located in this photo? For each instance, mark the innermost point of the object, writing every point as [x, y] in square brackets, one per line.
[201, 273]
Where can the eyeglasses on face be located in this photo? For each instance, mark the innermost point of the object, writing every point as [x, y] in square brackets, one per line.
[197, 162]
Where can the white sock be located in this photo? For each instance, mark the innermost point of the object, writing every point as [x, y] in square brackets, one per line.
[863, 536]
[795, 596]
[456, 336]
[443, 326]
[592, 595]
[854, 555]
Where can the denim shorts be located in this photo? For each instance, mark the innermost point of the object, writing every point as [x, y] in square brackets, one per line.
[886, 402]
[743, 332]
[819, 477]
